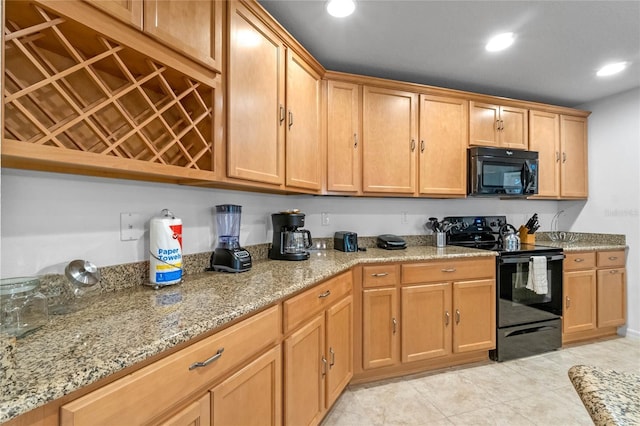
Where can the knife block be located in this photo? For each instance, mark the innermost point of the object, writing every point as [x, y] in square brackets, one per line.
[526, 238]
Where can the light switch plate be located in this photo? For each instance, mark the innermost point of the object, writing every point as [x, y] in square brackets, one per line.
[131, 226]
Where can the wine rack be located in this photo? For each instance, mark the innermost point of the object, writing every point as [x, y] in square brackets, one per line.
[70, 88]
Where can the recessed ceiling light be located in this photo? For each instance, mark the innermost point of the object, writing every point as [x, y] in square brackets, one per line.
[500, 42]
[611, 69]
[341, 8]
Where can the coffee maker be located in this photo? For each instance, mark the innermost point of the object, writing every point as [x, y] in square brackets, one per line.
[228, 256]
[289, 242]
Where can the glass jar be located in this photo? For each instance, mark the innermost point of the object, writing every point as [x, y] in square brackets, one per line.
[22, 307]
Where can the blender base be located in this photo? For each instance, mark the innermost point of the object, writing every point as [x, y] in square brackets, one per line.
[230, 260]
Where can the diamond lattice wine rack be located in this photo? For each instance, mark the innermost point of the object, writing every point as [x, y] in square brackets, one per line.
[76, 97]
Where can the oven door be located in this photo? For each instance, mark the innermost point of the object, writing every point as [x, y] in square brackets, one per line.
[519, 302]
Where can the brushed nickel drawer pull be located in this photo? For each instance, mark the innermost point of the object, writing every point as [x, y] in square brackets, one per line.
[613, 257]
[578, 259]
[207, 361]
[613, 271]
[448, 270]
[381, 274]
[325, 294]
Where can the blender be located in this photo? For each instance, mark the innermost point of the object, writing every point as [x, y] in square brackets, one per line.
[228, 256]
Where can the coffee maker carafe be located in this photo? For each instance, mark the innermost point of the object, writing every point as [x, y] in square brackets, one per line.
[289, 242]
[228, 255]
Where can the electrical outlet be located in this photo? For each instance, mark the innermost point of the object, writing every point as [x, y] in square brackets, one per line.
[324, 219]
[404, 218]
[131, 226]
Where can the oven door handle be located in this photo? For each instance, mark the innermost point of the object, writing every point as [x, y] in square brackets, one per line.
[525, 259]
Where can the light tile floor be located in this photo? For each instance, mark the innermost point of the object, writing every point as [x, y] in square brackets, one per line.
[527, 391]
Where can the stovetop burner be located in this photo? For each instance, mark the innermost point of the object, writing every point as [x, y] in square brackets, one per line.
[483, 232]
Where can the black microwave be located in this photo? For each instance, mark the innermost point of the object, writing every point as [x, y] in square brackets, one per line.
[502, 172]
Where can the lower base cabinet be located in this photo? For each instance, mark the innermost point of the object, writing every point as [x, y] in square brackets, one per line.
[196, 414]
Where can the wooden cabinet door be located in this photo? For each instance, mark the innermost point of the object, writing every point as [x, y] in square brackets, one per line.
[483, 124]
[544, 137]
[304, 372]
[339, 348]
[253, 395]
[129, 11]
[304, 154]
[474, 315]
[573, 142]
[343, 137]
[612, 298]
[579, 312]
[255, 99]
[514, 131]
[197, 413]
[389, 141]
[380, 328]
[444, 135]
[426, 321]
[193, 27]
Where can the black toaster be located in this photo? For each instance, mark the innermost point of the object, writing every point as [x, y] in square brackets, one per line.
[345, 241]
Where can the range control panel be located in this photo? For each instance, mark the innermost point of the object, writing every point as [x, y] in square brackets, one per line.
[476, 224]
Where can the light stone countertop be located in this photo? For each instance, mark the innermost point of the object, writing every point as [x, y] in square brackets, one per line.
[120, 329]
[610, 397]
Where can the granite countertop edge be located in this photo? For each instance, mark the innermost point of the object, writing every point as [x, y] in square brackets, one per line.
[119, 330]
[610, 397]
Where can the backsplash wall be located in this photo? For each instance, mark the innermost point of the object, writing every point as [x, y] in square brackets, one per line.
[49, 219]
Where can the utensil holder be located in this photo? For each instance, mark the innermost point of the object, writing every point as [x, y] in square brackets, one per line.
[525, 237]
[441, 239]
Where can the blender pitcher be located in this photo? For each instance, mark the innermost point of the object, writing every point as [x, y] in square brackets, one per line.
[228, 222]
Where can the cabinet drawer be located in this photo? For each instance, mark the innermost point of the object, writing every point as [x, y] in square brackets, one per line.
[612, 259]
[303, 306]
[146, 393]
[448, 270]
[575, 261]
[380, 275]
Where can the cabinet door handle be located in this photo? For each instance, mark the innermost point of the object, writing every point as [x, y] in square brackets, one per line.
[207, 361]
[613, 271]
[324, 294]
[395, 325]
[578, 259]
[381, 274]
[282, 117]
[448, 270]
[413, 145]
[447, 317]
[557, 156]
[457, 316]
[564, 157]
[333, 358]
[421, 146]
[568, 302]
[613, 257]
[355, 140]
[501, 124]
[324, 366]
[290, 119]
[497, 125]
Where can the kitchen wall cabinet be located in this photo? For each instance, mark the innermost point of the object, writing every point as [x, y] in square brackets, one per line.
[574, 177]
[126, 112]
[255, 100]
[304, 151]
[444, 124]
[594, 293]
[270, 137]
[389, 141]
[135, 399]
[318, 354]
[422, 315]
[192, 27]
[344, 172]
[498, 125]
[560, 141]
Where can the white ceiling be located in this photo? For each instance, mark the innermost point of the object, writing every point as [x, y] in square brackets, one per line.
[559, 44]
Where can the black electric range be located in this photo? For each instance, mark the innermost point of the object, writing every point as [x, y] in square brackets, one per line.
[528, 317]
